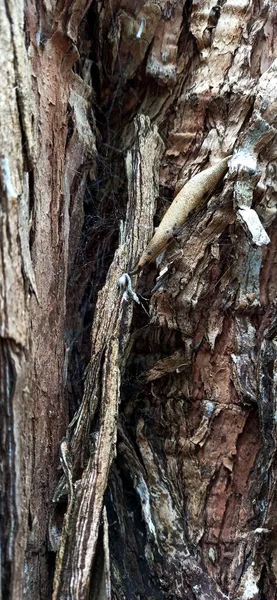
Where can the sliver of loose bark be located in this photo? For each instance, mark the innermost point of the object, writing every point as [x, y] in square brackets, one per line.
[110, 335]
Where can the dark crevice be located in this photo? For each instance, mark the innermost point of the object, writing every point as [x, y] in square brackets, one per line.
[70, 125]
[8, 496]
[104, 207]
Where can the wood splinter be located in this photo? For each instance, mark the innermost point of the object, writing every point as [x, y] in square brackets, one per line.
[190, 197]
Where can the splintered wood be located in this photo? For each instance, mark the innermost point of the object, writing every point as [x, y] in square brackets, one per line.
[110, 335]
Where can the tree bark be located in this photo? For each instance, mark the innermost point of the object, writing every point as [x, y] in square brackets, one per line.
[138, 425]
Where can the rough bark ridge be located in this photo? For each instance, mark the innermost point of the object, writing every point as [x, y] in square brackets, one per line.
[190, 500]
[46, 143]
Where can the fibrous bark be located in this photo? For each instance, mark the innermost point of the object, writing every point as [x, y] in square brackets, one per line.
[168, 481]
[110, 336]
[43, 174]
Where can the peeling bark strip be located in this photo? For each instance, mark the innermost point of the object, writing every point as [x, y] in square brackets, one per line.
[110, 335]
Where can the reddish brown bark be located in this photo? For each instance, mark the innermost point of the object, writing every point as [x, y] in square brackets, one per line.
[185, 381]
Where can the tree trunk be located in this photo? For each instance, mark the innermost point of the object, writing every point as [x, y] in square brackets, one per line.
[138, 417]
